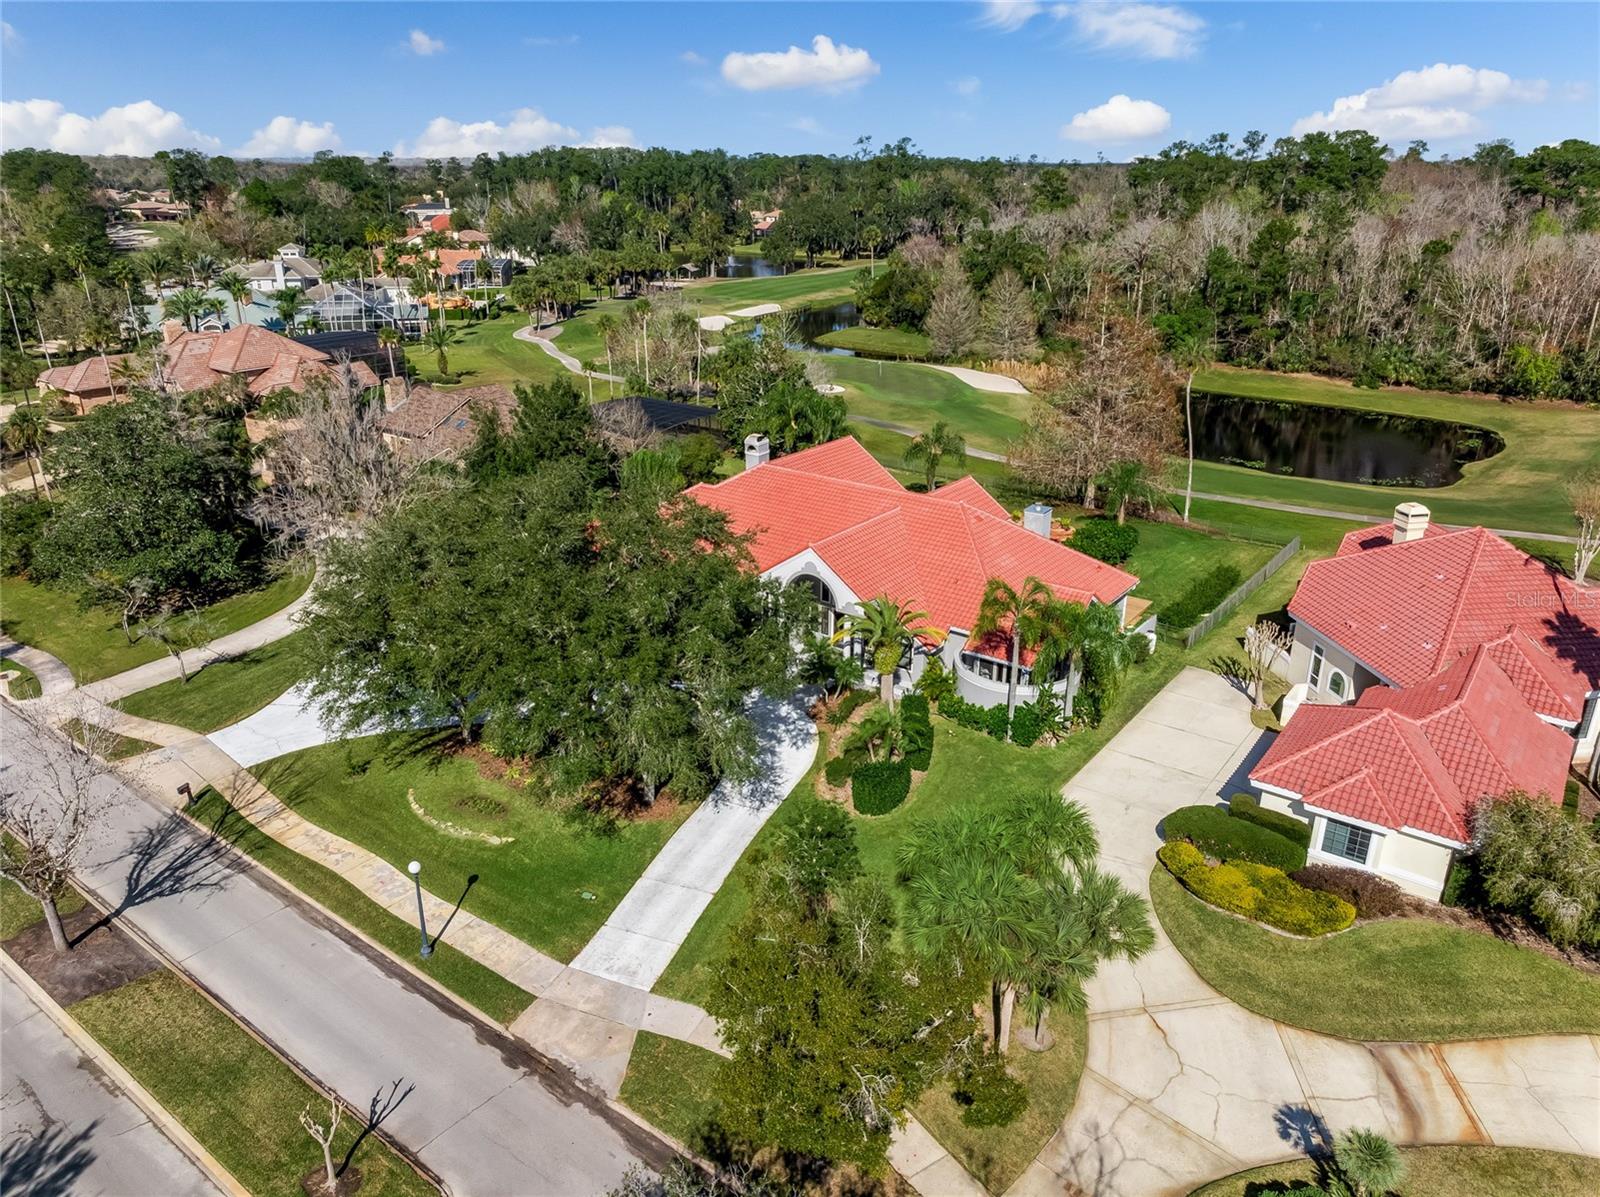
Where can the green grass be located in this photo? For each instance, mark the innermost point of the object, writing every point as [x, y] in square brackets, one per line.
[18, 911]
[997, 1155]
[917, 396]
[239, 1100]
[712, 296]
[91, 643]
[669, 1083]
[487, 353]
[879, 342]
[1170, 556]
[1438, 982]
[25, 684]
[224, 692]
[456, 971]
[1445, 1172]
[533, 887]
[112, 746]
[1519, 488]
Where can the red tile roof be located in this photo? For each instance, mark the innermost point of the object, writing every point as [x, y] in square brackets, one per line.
[1409, 610]
[1419, 757]
[933, 552]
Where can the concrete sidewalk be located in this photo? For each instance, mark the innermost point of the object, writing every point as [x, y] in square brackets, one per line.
[54, 677]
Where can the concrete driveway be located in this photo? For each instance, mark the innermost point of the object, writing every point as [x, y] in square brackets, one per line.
[1182, 1085]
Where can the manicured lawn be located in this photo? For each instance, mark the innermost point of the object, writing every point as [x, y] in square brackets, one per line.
[879, 342]
[1438, 982]
[553, 884]
[238, 1099]
[890, 448]
[456, 971]
[1445, 1172]
[224, 692]
[18, 911]
[997, 1155]
[112, 747]
[669, 1083]
[1170, 556]
[485, 352]
[1518, 488]
[25, 684]
[713, 296]
[91, 642]
[917, 396]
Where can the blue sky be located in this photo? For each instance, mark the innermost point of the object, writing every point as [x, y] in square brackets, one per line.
[1059, 80]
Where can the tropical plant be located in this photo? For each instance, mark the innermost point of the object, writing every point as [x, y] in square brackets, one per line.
[237, 288]
[1535, 861]
[288, 303]
[25, 434]
[390, 336]
[440, 338]
[183, 305]
[1370, 1163]
[886, 630]
[1125, 483]
[1103, 652]
[1021, 615]
[824, 665]
[932, 447]
[880, 734]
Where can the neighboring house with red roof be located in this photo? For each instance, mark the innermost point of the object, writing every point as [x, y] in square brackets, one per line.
[264, 360]
[1473, 669]
[832, 519]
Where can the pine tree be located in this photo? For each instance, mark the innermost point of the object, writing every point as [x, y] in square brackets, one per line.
[953, 317]
[1010, 321]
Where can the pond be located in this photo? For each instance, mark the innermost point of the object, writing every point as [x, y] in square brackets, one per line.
[1336, 443]
[751, 266]
[811, 323]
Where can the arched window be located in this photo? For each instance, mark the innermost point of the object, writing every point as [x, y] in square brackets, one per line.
[822, 595]
[1338, 684]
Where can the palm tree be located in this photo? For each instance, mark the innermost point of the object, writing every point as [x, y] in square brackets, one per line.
[872, 237]
[202, 268]
[389, 337]
[183, 305]
[1102, 649]
[880, 729]
[77, 257]
[932, 447]
[1017, 893]
[288, 303]
[440, 338]
[641, 308]
[1021, 615]
[1191, 351]
[124, 273]
[158, 265]
[1367, 1160]
[1127, 482]
[884, 628]
[25, 433]
[237, 288]
[606, 325]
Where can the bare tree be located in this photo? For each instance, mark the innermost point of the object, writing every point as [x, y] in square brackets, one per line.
[324, 1134]
[625, 427]
[178, 632]
[1264, 643]
[50, 802]
[1584, 493]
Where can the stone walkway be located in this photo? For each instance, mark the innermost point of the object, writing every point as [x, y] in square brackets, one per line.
[54, 677]
[1182, 1085]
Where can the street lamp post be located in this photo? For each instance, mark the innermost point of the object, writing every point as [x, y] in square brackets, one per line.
[415, 869]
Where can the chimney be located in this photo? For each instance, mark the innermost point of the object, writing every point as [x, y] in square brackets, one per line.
[277, 272]
[757, 450]
[396, 391]
[1410, 522]
[171, 330]
[1037, 518]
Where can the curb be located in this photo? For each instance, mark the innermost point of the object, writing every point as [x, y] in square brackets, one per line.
[153, 1109]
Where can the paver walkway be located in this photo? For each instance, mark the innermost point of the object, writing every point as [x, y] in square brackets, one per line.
[1182, 1085]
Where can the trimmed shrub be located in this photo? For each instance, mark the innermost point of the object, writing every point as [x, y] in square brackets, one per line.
[838, 770]
[1262, 893]
[1026, 726]
[1222, 837]
[1223, 885]
[1374, 897]
[1180, 856]
[917, 726]
[987, 1094]
[997, 722]
[1105, 540]
[877, 787]
[1200, 597]
[991, 720]
[936, 683]
[848, 704]
[1248, 808]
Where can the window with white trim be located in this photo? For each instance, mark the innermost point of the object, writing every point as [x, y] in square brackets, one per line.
[1338, 684]
[1347, 841]
[1316, 666]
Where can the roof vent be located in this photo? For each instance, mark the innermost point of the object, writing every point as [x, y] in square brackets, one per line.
[1037, 517]
[1410, 522]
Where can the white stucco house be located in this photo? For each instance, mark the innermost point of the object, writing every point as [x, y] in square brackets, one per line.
[833, 520]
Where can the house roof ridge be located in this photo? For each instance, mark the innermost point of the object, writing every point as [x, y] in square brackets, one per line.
[1461, 593]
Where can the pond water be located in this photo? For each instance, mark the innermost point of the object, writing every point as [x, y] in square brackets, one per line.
[750, 266]
[1336, 443]
[811, 323]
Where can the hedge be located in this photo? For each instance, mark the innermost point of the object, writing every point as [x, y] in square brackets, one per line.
[1200, 597]
[1248, 808]
[1374, 897]
[917, 724]
[877, 787]
[1258, 892]
[1105, 540]
[1219, 835]
[992, 720]
[838, 770]
[1026, 726]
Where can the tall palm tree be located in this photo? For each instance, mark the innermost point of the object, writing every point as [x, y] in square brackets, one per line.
[158, 265]
[77, 257]
[1020, 614]
[124, 273]
[288, 303]
[885, 628]
[440, 338]
[389, 337]
[1192, 351]
[606, 325]
[202, 269]
[641, 309]
[183, 305]
[25, 433]
[932, 447]
[237, 288]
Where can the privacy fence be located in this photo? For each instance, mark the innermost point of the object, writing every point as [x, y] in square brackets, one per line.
[1244, 590]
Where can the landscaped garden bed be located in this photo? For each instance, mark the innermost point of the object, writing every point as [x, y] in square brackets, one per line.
[1452, 1171]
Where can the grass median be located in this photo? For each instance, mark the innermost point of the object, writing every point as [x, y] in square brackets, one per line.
[227, 691]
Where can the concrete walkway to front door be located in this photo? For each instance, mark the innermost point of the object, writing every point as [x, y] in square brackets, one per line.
[1182, 1085]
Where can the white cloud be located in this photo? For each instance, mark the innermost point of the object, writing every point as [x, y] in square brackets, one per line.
[139, 128]
[1010, 14]
[285, 137]
[807, 124]
[693, 59]
[528, 129]
[1137, 30]
[9, 37]
[825, 66]
[969, 85]
[1437, 101]
[424, 45]
[1118, 119]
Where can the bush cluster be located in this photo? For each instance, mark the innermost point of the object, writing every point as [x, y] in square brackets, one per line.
[22, 523]
[991, 720]
[1258, 892]
[1219, 835]
[839, 769]
[1248, 808]
[877, 787]
[989, 1095]
[1105, 540]
[1374, 897]
[936, 683]
[1027, 725]
[1200, 597]
[916, 723]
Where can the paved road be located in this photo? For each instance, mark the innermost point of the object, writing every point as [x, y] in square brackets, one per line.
[67, 1128]
[485, 1114]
